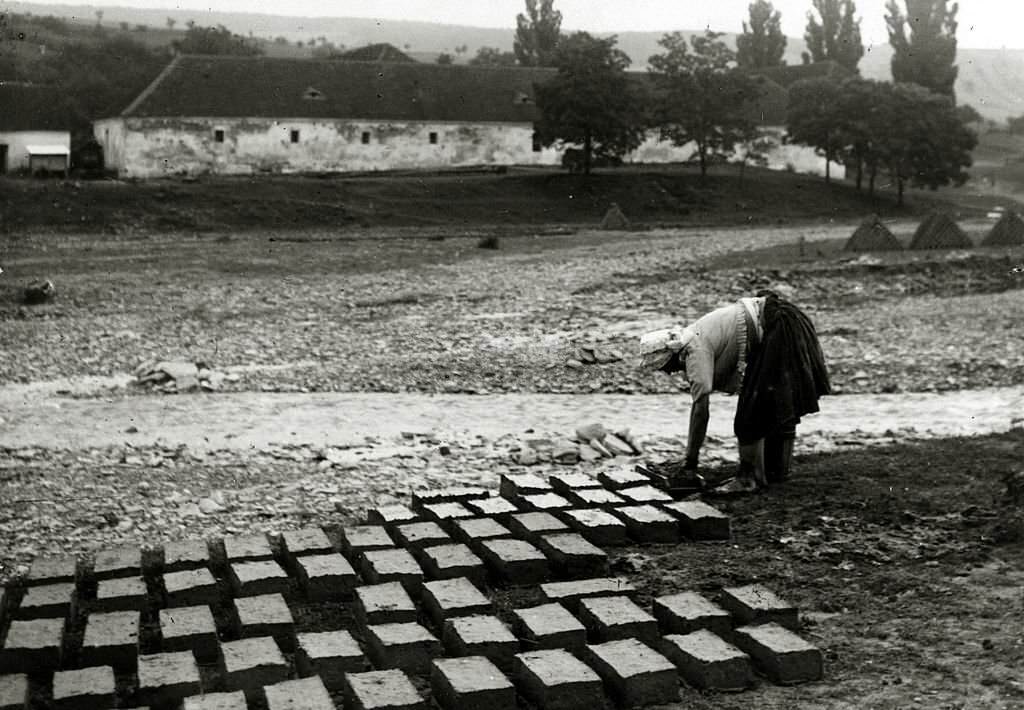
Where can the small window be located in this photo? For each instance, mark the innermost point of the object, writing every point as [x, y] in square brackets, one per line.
[366, 137]
[536, 143]
[433, 138]
[218, 135]
[312, 94]
[295, 135]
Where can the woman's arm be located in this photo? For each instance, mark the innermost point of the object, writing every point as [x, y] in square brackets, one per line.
[699, 415]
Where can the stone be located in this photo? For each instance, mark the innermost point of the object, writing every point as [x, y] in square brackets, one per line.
[451, 561]
[194, 587]
[249, 664]
[216, 701]
[414, 536]
[700, 521]
[249, 579]
[569, 594]
[358, 539]
[565, 483]
[634, 673]
[530, 526]
[514, 485]
[381, 690]
[391, 515]
[494, 507]
[118, 562]
[448, 598]
[708, 662]
[47, 601]
[50, 570]
[247, 548]
[780, 654]
[387, 603]
[686, 612]
[445, 513]
[189, 627]
[645, 523]
[596, 498]
[549, 626]
[396, 565]
[597, 526]
[329, 655]
[302, 694]
[84, 689]
[639, 495]
[480, 635]
[266, 615]
[327, 577]
[472, 530]
[755, 604]
[409, 647]
[120, 594]
[617, 617]
[32, 645]
[14, 692]
[618, 478]
[556, 680]
[111, 638]
[168, 678]
[514, 562]
[307, 541]
[544, 502]
[458, 494]
[471, 683]
[572, 557]
[186, 555]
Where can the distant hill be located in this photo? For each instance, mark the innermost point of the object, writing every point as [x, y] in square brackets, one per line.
[991, 80]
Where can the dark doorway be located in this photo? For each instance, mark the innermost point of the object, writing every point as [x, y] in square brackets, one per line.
[3, 158]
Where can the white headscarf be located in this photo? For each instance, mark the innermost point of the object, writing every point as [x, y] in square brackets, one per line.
[658, 346]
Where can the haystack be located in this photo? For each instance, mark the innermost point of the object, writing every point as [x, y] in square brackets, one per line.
[614, 218]
[939, 231]
[1007, 232]
[872, 235]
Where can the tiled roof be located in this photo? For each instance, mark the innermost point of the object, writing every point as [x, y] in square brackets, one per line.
[28, 107]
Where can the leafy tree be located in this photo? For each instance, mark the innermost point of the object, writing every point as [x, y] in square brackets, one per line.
[125, 26]
[537, 34]
[762, 43]
[590, 102]
[924, 43]
[702, 95]
[171, 22]
[968, 114]
[215, 40]
[835, 33]
[445, 58]
[861, 118]
[1015, 124]
[492, 56]
[812, 118]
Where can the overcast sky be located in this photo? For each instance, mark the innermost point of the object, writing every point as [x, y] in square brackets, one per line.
[983, 23]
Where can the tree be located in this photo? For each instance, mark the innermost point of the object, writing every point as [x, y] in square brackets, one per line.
[836, 35]
[860, 120]
[1015, 124]
[215, 40]
[762, 43]
[493, 57]
[702, 95]
[445, 58]
[99, 17]
[812, 118]
[924, 43]
[590, 102]
[171, 22]
[537, 34]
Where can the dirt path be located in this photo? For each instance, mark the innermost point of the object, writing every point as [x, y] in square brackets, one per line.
[35, 417]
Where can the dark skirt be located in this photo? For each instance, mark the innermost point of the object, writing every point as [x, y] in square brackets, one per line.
[785, 374]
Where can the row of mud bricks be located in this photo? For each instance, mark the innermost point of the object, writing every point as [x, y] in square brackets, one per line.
[466, 598]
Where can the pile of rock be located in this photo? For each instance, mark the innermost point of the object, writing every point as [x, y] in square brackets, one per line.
[173, 376]
[592, 442]
[592, 355]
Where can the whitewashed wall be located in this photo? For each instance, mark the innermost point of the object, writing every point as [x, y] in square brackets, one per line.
[18, 142]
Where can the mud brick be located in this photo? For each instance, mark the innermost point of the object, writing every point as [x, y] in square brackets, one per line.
[645, 494]
[700, 521]
[216, 701]
[514, 485]
[397, 565]
[556, 680]
[598, 526]
[387, 603]
[120, 594]
[707, 662]
[572, 556]
[413, 536]
[645, 523]
[544, 502]
[14, 693]
[46, 601]
[451, 561]
[249, 664]
[325, 577]
[569, 594]
[391, 515]
[565, 483]
[471, 683]
[186, 554]
[250, 579]
[780, 654]
[515, 561]
[550, 626]
[620, 478]
[111, 637]
[472, 530]
[168, 678]
[329, 655]
[596, 498]
[446, 513]
[356, 540]
[495, 506]
[50, 570]
[32, 646]
[189, 627]
[410, 647]
[481, 636]
[635, 674]
[686, 612]
[191, 587]
[84, 689]
[381, 690]
[118, 562]
[302, 694]
[448, 598]
[266, 615]
[307, 541]
[530, 526]
[457, 494]
[247, 548]
[615, 618]
[755, 604]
